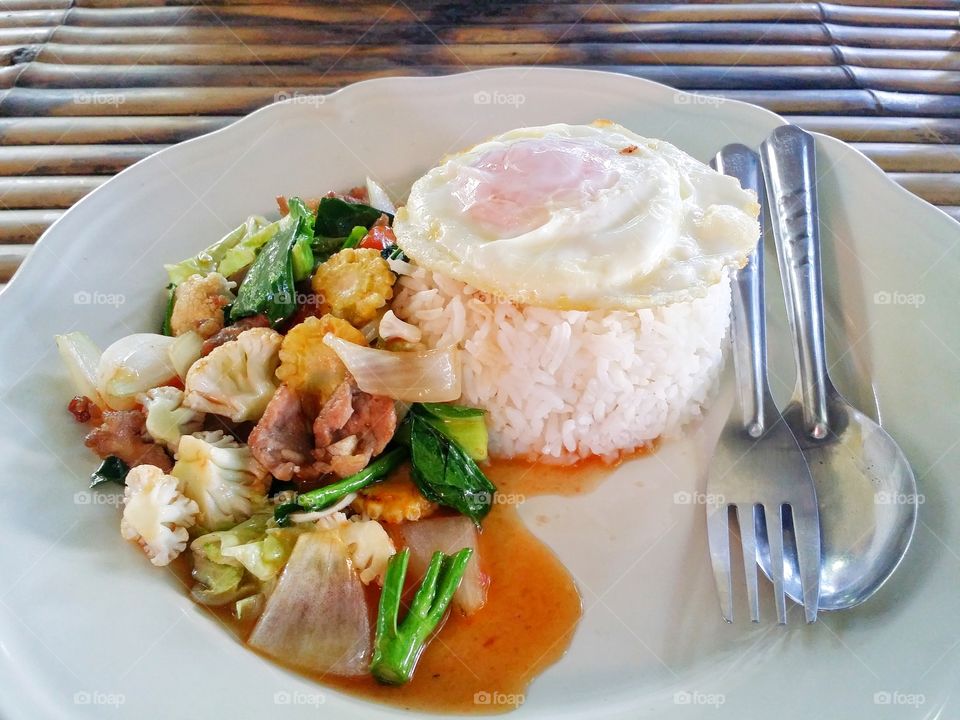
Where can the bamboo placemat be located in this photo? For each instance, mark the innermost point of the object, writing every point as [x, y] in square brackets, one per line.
[88, 87]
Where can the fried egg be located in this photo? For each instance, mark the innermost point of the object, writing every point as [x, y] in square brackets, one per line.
[579, 217]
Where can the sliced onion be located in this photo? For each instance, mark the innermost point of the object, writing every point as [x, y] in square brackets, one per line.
[81, 356]
[448, 534]
[135, 364]
[378, 198]
[316, 619]
[185, 350]
[429, 376]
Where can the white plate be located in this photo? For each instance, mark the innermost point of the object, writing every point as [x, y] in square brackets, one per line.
[89, 629]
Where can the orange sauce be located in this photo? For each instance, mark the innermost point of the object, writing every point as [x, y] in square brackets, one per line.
[484, 663]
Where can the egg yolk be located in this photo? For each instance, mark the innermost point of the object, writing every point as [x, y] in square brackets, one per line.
[513, 190]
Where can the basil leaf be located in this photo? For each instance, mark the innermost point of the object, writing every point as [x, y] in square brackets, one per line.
[269, 287]
[445, 474]
[112, 469]
[336, 217]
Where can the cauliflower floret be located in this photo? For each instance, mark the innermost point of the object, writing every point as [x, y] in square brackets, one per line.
[222, 477]
[369, 545]
[156, 514]
[167, 419]
[198, 304]
[370, 548]
[238, 378]
[355, 283]
[395, 500]
[307, 364]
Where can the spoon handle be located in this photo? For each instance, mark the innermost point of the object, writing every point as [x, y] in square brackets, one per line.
[748, 329]
[790, 171]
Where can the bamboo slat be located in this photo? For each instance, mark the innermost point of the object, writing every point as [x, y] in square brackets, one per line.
[913, 157]
[71, 159]
[45, 192]
[25, 226]
[880, 130]
[106, 130]
[939, 189]
[10, 258]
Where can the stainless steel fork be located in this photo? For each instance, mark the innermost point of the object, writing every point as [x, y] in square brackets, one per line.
[758, 468]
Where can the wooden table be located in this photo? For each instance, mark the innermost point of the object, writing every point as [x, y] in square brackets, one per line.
[88, 87]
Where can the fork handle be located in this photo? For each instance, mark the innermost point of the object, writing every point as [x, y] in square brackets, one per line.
[790, 169]
[748, 327]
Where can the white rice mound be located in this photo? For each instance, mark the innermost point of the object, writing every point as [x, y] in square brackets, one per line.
[559, 386]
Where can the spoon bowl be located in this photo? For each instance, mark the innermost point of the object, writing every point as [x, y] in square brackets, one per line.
[867, 496]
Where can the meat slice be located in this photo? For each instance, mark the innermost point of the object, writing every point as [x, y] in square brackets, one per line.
[85, 410]
[374, 421]
[352, 427]
[282, 441]
[232, 332]
[122, 433]
[334, 415]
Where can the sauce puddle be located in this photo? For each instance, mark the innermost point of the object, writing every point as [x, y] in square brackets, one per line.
[484, 663]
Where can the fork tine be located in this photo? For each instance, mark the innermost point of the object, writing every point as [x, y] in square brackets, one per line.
[774, 519]
[807, 538]
[746, 517]
[718, 537]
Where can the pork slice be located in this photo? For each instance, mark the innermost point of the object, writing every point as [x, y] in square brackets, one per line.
[122, 433]
[281, 441]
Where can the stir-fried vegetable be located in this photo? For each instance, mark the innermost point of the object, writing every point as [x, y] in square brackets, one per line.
[81, 356]
[397, 645]
[379, 197]
[463, 425]
[355, 284]
[316, 618]
[337, 218]
[327, 495]
[212, 259]
[448, 534]
[355, 236]
[428, 376]
[269, 287]
[443, 470]
[132, 365]
[112, 469]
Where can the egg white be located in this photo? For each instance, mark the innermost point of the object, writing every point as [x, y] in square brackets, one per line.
[624, 222]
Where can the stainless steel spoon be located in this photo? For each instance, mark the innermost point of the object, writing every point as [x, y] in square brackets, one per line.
[865, 487]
